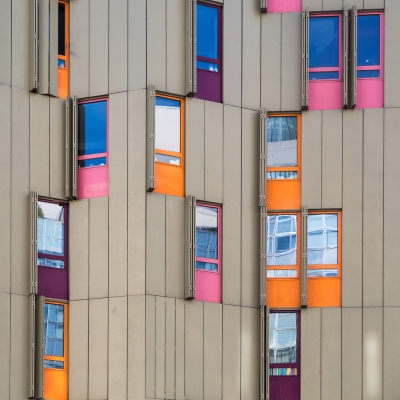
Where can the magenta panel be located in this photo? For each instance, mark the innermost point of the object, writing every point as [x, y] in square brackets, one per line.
[325, 95]
[369, 93]
[208, 286]
[281, 6]
[284, 388]
[209, 86]
[93, 182]
[53, 283]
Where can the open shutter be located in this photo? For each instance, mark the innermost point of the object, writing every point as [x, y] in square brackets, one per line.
[39, 347]
[353, 57]
[34, 45]
[151, 137]
[190, 247]
[31, 337]
[304, 258]
[263, 6]
[345, 57]
[263, 256]
[263, 155]
[74, 149]
[33, 259]
[267, 352]
[264, 353]
[191, 47]
[68, 147]
[304, 59]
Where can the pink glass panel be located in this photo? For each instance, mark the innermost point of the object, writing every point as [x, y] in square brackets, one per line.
[369, 93]
[208, 286]
[281, 6]
[92, 182]
[325, 95]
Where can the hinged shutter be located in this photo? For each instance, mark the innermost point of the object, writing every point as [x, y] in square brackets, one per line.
[345, 57]
[190, 247]
[263, 256]
[353, 57]
[264, 353]
[267, 351]
[31, 338]
[68, 147]
[304, 258]
[151, 137]
[74, 149]
[33, 259]
[263, 6]
[191, 47]
[34, 45]
[304, 59]
[39, 347]
[263, 155]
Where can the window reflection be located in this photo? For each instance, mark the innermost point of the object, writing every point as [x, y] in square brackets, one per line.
[50, 228]
[206, 233]
[282, 338]
[53, 330]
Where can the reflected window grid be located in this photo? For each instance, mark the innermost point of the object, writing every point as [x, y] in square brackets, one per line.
[282, 338]
[53, 330]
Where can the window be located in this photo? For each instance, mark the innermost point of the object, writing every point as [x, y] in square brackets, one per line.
[208, 252]
[63, 49]
[209, 52]
[93, 148]
[169, 146]
[281, 6]
[52, 226]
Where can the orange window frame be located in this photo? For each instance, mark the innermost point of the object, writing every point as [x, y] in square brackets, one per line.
[285, 292]
[170, 178]
[63, 73]
[327, 291]
[285, 194]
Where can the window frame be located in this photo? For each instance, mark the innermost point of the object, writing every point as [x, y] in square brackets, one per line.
[66, 34]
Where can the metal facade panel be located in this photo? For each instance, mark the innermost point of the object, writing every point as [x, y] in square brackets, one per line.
[117, 348]
[352, 353]
[213, 151]
[263, 256]
[74, 153]
[231, 352]
[351, 3]
[332, 159]
[251, 62]
[263, 354]
[53, 49]
[151, 137]
[170, 348]
[98, 344]
[5, 339]
[31, 344]
[331, 355]
[118, 46]
[175, 247]
[79, 250]
[34, 243]
[39, 347]
[190, 248]
[33, 44]
[98, 39]
[372, 357]
[156, 44]
[155, 245]
[291, 77]
[118, 198]
[194, 157]
[68, 147]
[136, 346]
[194, 354]
[176, 47]
[190, 47]
[150, 347]
[99, 247]
[78, 350]
[345, 33]
[373, 269]
[232, 53]
[44, 47]
[313, 5]
[212, 351]
[374, 4]
[5, 44]
[310, 378]
[136, 194]
[391, 198]
[136, 44]
[304, 257]
[250, 350]
[271, 28]
[263, 156]
[311, 159]
[39, 144]
[180, 349]
[353, 57]
[79, 41]
[352, 206]
[329, 5]
[160, 347]
[305, 22]
[231, 218]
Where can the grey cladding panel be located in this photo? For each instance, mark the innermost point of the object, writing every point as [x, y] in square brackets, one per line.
[34, 45]
[151, 132]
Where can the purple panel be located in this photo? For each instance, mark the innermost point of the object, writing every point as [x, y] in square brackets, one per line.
[284, 387]
[209, 86]
[53, 283]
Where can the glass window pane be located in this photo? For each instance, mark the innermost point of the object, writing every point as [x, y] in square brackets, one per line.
[168, 159]
[207, 66]
[368, 40]
[315, 239]
[324, 42]
[371, 73]
[93, 162]
[53, 364]
[315, 222]
[331, 256]
[207, 232]
[331, 221]
[61, 29]
[313, 76]
[207, 31]
[92, 119]
[281, 273]
[286, 320]
[315, 257]
[50, 228]
[205, 266]
[54, 330]
[168, 124]
[283, 337]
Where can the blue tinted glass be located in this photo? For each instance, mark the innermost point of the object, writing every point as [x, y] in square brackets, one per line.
[372, 73]
[368, 43]
[93, 162]
[164, 102]
[207, 31]
[61, 63]
[205, 266]
[92, 118]
[207, 66]
[324, 42]
[313, 76]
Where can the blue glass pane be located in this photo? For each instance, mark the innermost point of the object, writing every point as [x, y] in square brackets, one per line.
[207, 66]
[205, 266]
[207, 31]
[372, 73]
[164, 102]
[92, 118]
[53, 330]
[207, 232]
[61, 63]
[368, 41]
[323, 75]
[92, 162]
[324, 42]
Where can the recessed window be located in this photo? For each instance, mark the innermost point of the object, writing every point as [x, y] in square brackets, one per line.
[63, 49]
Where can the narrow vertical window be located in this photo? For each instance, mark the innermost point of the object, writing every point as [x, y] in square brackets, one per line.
[63, 49]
